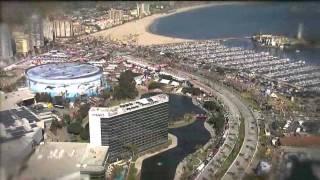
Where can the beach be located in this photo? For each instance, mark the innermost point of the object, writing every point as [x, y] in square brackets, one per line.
[139, 29]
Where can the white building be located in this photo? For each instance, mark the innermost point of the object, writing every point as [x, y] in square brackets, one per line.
[62, 27]
[116, 15]
[143, 9]
[142, 122]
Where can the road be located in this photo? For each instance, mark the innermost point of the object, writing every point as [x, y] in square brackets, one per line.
[237, 108]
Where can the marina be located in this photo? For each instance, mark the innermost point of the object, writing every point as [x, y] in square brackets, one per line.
[213, 53]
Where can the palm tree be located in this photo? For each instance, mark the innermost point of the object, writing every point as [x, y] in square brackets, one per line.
[132, 148]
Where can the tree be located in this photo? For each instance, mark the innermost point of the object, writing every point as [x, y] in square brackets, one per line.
[74, 128]
[105, 94]
[132, 148]
[66, 118]
[163, 76]
[43, 97]
[83, 111]
[212, 106]
[84, 133]
[154, 85]
[219, 122]
[191, 90]
[127, 86]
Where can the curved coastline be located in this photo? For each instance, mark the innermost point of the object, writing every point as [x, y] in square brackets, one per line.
[153, 24]
[141, 28]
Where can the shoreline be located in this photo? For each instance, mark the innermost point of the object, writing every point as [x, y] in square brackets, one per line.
[179, 169]
[138, 31]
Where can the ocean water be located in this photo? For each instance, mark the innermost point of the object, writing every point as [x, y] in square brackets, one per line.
[246, 19]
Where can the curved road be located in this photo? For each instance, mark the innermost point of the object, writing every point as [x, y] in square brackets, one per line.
[237, 108]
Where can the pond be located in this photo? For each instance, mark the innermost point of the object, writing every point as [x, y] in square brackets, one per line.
[163, 166]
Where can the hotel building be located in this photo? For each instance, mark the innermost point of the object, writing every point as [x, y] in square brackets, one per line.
[143, 123]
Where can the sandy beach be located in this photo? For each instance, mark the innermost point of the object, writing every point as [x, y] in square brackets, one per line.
[140, 27]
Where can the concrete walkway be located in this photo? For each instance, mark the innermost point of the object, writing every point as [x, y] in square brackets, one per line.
[139, 161]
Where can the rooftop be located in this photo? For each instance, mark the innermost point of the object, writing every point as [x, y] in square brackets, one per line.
[10, 100]
[94, 158]
[62, 71]
[17, 122]
[56, 160]
[129, 106]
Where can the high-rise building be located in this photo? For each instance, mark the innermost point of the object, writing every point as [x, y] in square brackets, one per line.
[143, 9]
[115, 15]
[63, 27]
[142, 123]
[48, 29]
[6, 50]
[36, 31]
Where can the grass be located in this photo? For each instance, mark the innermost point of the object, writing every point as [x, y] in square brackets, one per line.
[186, 120]
[248, 97]
[227, 163]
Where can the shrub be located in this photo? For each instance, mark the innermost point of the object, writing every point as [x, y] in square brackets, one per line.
[74, 128]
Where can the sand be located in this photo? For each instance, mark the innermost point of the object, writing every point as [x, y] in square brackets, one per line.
[138, 29]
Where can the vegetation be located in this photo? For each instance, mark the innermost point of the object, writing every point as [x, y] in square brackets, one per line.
[127, 86]
[116, 172]
[74, 128]
[154, 85]
[234, 152]
[55, 125]
[83, 112]
[220, 70]
[133, 149]
[217, 120]
[105, 94]
[191, 90]
[216, 117]
[43, 97]
[212, 106]
[66, 118]
[132, 174]
[84, 133]
[187, 119]
[163, 76]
